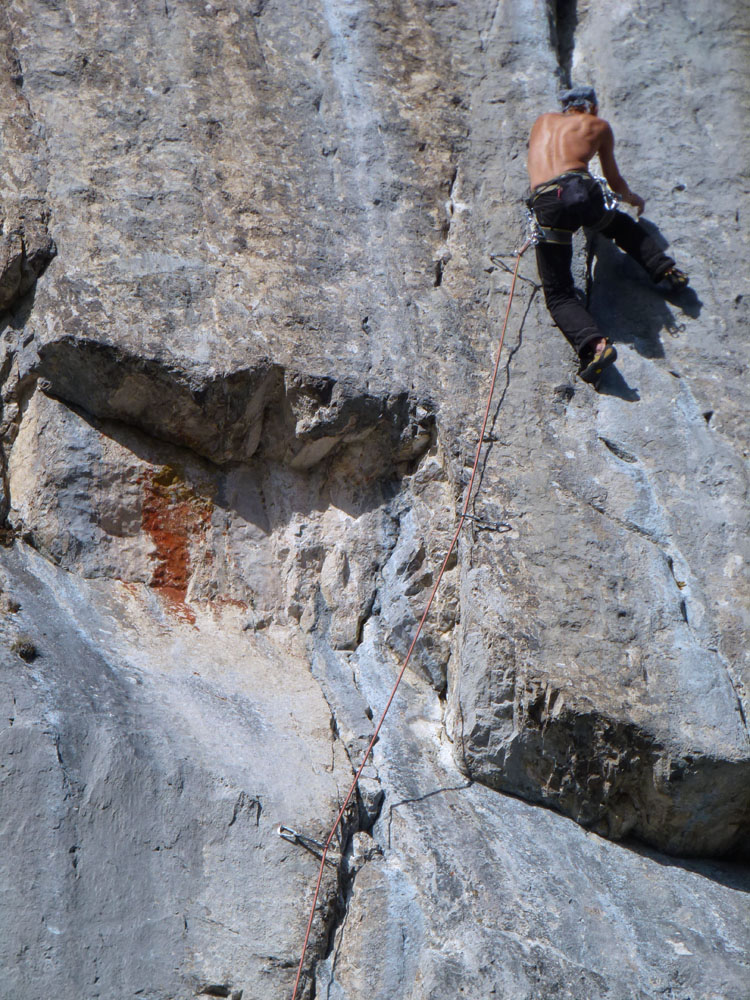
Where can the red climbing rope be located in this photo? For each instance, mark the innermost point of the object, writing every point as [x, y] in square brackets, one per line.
[461, 520]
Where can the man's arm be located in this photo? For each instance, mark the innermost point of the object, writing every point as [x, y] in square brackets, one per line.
[613, 176]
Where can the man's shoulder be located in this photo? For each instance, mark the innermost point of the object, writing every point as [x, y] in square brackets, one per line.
[544, 122]
[600, 125]
[589, 129]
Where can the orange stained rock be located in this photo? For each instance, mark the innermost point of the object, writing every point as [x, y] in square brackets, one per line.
[177, 521]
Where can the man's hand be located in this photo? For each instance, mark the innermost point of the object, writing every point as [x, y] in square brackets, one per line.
[636, 201]
[611, 173]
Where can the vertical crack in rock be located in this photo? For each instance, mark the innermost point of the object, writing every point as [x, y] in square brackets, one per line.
[563, 20]
[354, 834]
[359, 849]
[334, 912]
[405, 575]
[11, 415]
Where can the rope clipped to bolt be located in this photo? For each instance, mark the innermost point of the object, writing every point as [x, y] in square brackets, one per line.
[464, 515]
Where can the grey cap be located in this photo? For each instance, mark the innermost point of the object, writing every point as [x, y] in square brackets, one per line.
[578, 95]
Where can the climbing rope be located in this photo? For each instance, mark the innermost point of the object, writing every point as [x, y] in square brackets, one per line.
[464, 516]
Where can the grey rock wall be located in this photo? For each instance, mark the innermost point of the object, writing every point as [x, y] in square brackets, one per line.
[25, 244]
[618, 496]
[240, 407]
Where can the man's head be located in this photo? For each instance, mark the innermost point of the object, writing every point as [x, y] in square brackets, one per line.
[579, 99]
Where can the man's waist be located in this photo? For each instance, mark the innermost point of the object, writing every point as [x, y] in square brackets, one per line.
[554, 182]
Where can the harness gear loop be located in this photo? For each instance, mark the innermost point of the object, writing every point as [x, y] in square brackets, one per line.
[533, 228]
[611, 201]
[418, 632]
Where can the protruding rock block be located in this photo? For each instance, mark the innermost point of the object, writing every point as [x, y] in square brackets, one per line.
[24, 254]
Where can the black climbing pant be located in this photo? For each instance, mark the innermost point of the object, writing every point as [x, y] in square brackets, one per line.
[562, 206]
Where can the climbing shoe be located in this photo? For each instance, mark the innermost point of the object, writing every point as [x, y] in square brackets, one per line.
[675, 279]
[591, 370]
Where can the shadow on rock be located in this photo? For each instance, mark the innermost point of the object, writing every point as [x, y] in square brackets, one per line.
[23, 258]
[613, 384]
[733, 874]
[685, 299]
[355, 478]
[629, 308]
[16, 317]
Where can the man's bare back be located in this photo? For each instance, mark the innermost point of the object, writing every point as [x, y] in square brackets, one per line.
[565, 198]
[569, 141]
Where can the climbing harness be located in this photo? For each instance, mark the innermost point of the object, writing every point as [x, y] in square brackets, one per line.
[564, 237]
[463, 517]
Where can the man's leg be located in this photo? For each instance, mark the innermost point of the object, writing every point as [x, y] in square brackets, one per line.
[635, 240]
[578, 326]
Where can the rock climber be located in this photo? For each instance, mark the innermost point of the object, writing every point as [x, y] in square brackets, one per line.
[564, 197]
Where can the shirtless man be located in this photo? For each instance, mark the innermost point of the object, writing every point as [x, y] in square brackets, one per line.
[564, 197]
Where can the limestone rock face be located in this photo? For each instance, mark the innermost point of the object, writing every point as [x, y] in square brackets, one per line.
[254, 262]
[25, 244]
[145, 770]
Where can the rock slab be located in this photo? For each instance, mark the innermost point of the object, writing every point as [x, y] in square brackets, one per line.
[239, 409]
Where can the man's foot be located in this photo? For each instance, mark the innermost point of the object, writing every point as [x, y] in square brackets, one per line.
[675, 279]
[591, 370]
